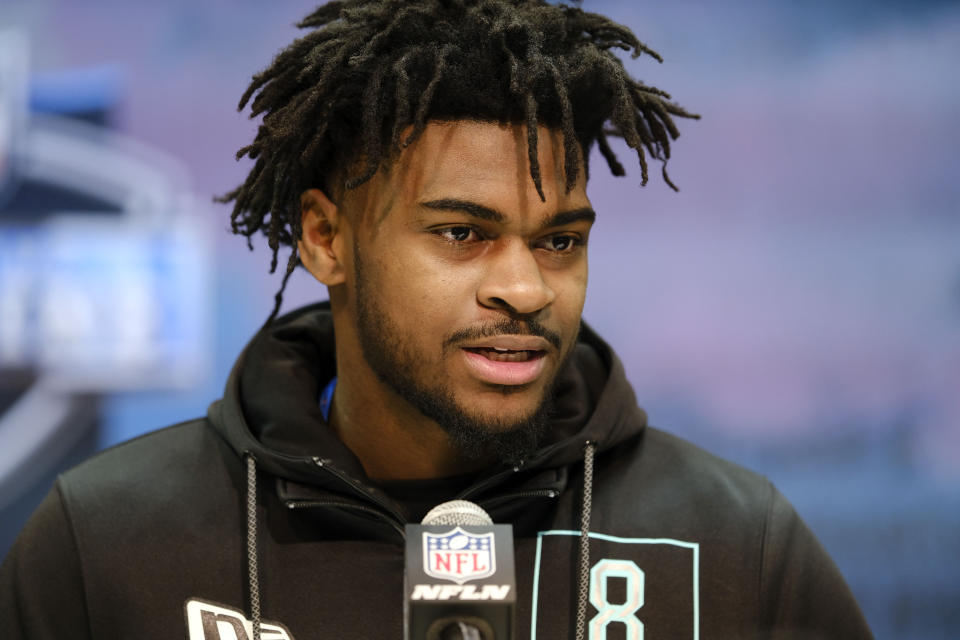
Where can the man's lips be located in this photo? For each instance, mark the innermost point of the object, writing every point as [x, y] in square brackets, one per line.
[508, 359]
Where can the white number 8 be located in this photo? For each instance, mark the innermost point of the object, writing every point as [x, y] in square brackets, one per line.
[622, 612]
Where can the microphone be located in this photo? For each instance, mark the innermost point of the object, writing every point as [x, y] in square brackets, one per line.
[459, 579]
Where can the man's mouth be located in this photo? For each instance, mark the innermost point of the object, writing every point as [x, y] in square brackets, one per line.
[510, 360]
[507, 355]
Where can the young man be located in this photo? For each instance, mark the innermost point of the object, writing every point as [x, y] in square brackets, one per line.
[427, 162]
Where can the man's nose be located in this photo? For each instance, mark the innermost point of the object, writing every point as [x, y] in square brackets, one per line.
[514, 281]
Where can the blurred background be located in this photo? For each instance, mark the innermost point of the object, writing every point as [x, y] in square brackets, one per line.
[795, 308]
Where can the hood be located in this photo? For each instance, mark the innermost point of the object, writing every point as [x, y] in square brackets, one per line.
[270, 409]
[271, 417]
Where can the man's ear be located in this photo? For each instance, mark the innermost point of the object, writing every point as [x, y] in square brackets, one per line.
[321, 245]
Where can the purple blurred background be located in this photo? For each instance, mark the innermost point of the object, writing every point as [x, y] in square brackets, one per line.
[796, 307]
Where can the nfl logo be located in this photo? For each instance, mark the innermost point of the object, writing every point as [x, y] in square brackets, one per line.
[458, 556]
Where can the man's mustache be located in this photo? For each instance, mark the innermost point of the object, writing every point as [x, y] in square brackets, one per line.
[505, 326]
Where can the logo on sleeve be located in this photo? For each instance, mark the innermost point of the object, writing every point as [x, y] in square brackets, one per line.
[209, 621]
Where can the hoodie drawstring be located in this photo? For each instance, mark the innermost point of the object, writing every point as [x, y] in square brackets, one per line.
[253, 573]
[583, 582]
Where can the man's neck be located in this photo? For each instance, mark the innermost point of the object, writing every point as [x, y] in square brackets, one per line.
[393, 440]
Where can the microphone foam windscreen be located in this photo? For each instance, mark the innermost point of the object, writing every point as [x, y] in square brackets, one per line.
[457, 512]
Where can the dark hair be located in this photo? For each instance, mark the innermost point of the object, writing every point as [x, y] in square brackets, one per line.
[370, 70]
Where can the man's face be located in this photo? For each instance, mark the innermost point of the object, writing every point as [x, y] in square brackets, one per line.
[464, 288]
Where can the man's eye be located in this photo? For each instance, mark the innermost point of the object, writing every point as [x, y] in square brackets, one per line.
[457, 234]
[561, 243]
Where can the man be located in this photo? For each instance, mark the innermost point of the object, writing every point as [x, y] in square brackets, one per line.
[427, 162]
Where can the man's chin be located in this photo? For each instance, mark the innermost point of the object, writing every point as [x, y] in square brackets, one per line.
[505, 438]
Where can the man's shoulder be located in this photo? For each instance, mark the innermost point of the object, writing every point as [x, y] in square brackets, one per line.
[150, 451]
[677, 452]
[668, 470]
[179, 464]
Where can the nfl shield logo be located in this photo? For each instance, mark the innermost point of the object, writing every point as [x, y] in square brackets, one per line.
[458, 556]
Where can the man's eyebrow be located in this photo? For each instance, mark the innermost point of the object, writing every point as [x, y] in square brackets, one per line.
[567, 217]
[467, 207]
[485, 213]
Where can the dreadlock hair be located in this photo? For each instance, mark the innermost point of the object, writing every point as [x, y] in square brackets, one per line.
[371, 70]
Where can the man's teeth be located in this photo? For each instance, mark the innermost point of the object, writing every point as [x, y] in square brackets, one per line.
[506, 355]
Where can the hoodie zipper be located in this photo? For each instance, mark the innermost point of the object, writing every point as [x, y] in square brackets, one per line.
[309, 504]
[322, 464]
[536, 493]
[489, 482]
[396, 521]
[494, 479]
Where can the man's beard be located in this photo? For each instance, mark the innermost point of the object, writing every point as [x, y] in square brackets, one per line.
[393, 360]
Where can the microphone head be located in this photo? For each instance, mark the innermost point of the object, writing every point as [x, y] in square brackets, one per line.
[457, 512]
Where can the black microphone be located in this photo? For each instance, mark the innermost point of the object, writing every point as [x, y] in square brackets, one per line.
[459, 580]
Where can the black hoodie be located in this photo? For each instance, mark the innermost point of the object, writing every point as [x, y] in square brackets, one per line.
[259, 512]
